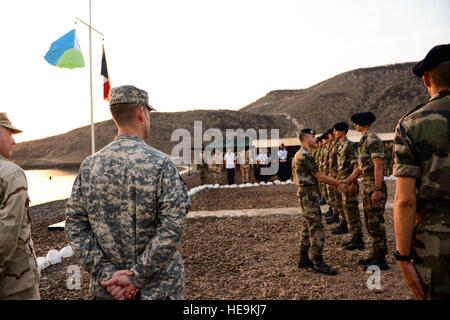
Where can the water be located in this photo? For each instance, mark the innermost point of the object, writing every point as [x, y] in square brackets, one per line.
[49, 185]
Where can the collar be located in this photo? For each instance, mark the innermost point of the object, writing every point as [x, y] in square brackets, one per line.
[440, 95]
[129, 137]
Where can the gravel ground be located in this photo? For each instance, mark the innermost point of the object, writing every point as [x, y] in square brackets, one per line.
[240, 258]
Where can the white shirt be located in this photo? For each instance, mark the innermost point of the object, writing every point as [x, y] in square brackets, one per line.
[282, 154]
[262, 158]
[229, 160]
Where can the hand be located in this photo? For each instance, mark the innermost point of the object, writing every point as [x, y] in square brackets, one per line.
[120, 286]
[341, 187]
[352, 189]
[376, 197]
[410, 275]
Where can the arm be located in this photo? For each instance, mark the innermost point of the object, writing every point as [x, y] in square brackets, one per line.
[328, 180]
[352, 178]
[12, 211]
[378, 175]
[172, 206]
[404, 220]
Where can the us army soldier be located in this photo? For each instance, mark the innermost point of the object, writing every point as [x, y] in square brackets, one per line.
[19, 274]
[306, 176]
[127, 211]
[422, 168]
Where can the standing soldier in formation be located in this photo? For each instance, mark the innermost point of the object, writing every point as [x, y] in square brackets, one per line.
[370, 167]
[244, 163]
[202, 169]
[19, 273]
[347, 162]
[422, 198]
[329, 171]
[127, 211]
[217, 166]
[306, 176]
[323, 156]
[388, 157]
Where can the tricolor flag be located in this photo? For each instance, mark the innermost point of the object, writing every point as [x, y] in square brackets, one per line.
[65, 52]
[104, 73]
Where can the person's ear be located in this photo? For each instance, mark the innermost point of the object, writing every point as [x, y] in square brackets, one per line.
[140, 114]
[426, 80]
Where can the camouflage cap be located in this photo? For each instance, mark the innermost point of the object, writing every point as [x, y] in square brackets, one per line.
[129, 94]
[5, 122]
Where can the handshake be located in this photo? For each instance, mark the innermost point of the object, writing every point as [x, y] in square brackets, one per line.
[344, 187]
[120, 286]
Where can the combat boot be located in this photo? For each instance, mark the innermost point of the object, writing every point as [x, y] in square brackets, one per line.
[333, 219]
[371, 257]
[355, 243]
[341, 229]
[321, 267]
[380, 261]
[304, 261]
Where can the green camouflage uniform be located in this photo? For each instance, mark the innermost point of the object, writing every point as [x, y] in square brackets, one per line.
[313, 235]
[347, 156]
[128, 210]
[323, 168]
[422, 151]
[19, 273]
[335, 197]
[369, 147]
[387, 167]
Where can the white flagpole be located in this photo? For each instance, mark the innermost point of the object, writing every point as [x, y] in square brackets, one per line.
[90, 77]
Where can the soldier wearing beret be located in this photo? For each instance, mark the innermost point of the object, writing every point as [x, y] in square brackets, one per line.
[19, 273]
[331, 167]
[370, 167]
[347, 158]
[306, 176]
[422, 198]
[127, 211]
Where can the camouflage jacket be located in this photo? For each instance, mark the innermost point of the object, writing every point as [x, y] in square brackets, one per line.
[422, 151]
[128, 210]
[347, 157]
[303, 168]
[369, 147]
[332, 159]
[325, 157]
[322, 156]
[18, 267]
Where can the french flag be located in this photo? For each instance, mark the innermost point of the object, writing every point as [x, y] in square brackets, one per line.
[106, 81]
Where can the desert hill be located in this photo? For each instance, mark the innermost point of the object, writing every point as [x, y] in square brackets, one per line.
[68, 150]
[387, 91]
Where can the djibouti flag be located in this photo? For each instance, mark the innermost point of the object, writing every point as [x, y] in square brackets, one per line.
[65, 52]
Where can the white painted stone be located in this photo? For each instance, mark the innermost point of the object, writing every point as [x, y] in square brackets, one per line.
[53, 257]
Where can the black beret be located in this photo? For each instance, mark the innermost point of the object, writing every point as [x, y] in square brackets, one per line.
[329, 131]
[435, 56]
[363, 118]
[308, 131]
[324, 136]
[341, 126]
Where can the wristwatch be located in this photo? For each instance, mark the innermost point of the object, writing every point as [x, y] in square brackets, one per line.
[399, 257]
[377, 189]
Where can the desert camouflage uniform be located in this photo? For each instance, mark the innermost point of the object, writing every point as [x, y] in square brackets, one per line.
[19, 273]
[347, 156]
[128, 210]
[422, 151]
[313, 235]
[217, 168]
[335, 197]
[369, 147]
[244, 163]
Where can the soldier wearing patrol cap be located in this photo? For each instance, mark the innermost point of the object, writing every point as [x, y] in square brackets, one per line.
[127, 211]
[306, 176]
[422, 198]
[19, 274]
[370, 167]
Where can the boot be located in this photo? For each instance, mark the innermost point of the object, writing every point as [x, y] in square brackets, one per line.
[341, 229]
[371, 257]
[321, 267]
[329, 212]
[355, 243]
[304, 261]
[380, 261]
[333, 219]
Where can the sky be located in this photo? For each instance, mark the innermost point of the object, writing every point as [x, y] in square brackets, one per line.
[199, 54]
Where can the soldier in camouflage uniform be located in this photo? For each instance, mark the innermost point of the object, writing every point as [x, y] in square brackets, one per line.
[370, 167]
[306, 176]
[202, 170]
[323, 169]
[217, 166]
[388, 154]
[331, 167]
[127, 211]
[19, 273]
[347, 157]
[422, 168]
[244, 163]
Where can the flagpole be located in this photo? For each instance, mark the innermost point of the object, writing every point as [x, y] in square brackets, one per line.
[90, 77]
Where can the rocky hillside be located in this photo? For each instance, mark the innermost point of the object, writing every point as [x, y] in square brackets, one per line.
[388, 91]
[68, 150]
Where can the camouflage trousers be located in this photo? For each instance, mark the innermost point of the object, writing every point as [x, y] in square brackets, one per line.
[217, 174]
[332, 199]
[431, 253]
[351, 210]
[245, 173]
[312, 234]
[28, 294]
[374, 217]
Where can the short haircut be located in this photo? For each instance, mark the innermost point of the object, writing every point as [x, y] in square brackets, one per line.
[440, 74]
[302, 136]
[123, 113]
